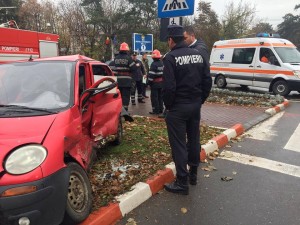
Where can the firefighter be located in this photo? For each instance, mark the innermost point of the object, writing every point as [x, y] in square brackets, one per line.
[155, 82]
[186, 85]
[137, 80]
[124, 66]
[145, 79]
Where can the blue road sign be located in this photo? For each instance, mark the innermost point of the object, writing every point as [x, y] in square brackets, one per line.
[142, 43]
[175, 8]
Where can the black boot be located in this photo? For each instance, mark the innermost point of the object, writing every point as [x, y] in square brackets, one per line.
[179, 186]
[193, 175]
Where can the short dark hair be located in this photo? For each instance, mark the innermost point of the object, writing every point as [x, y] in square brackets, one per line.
[189, 29]
[177, 39]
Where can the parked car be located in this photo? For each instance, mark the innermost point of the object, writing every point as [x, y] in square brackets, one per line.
[53, 116]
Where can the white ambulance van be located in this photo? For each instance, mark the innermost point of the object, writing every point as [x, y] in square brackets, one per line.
[267, 62]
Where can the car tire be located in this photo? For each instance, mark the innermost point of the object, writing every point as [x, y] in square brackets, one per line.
[221, 81]
[281, 87]
[244, 87]
[119, 135]
[79, 199]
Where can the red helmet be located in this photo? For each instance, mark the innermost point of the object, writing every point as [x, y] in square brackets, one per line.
[124, 47]
[156, 54]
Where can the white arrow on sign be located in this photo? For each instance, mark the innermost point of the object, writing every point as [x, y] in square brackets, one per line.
[172, 5]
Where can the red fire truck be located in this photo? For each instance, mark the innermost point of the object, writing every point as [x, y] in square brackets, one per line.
[18, 44]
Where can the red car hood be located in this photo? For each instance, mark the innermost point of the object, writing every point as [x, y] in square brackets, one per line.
[17, 131]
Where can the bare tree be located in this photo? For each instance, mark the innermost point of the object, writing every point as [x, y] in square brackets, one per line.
[207, 25]
[30, 15]
[237, 20]
[72, 27]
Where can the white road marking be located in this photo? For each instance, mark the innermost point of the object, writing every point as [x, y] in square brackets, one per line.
[294, 143]
[265, 131]
[279, 167]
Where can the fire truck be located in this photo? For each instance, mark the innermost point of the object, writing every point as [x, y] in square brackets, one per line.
[18, 44]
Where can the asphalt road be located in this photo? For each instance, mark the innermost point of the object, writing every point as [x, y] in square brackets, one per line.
[265, 168]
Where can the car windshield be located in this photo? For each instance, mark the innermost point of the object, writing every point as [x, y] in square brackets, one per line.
[288, 55]
[41, 85]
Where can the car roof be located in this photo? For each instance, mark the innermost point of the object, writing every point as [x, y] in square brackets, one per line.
[71, 58]
[276, 42]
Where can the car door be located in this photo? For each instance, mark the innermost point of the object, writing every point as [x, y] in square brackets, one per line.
[265, 70]
[241, 68]
[105, 99]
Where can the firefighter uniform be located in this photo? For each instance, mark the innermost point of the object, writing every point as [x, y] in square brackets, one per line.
[123, 69]
[186, 85]
[155, 82]
[137, 81]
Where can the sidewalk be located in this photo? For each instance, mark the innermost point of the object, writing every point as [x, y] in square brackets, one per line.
[212, 114]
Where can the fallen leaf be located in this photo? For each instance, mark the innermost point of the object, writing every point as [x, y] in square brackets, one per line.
[226, 178]
[206, 175]
[212, 167]
[184, 210]
[131, 221]
[211, 157]
[215, 153]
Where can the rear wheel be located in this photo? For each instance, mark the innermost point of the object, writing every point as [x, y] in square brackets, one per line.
[244, 87]
[79, 200]
[281, 87]
[221, 81]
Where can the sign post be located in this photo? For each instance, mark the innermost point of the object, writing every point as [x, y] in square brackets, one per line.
[164, 23]
[171, 12]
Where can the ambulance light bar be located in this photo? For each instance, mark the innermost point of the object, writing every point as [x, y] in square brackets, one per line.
[268, 35]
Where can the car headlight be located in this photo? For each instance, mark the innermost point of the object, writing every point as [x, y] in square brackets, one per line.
[297, 73]
[25, 159]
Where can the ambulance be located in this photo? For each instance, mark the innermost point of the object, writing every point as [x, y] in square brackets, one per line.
[265, 61]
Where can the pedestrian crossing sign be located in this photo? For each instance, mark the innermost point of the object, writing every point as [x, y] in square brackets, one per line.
[175, 8]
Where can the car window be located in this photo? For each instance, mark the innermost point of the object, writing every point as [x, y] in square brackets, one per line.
[243, 55]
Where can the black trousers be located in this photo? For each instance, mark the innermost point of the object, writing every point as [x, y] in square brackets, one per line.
[183, 124]
[157, 100]
[125, 93]
[136, 85]
[144, 88]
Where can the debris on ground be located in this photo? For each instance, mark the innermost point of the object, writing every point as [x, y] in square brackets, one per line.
[226, 178]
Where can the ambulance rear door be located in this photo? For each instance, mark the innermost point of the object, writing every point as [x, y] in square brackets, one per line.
[242, 66]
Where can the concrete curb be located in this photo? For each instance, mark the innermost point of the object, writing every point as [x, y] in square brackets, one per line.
[142, 191]
[139, 193]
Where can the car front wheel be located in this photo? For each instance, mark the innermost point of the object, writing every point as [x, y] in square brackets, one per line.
[79, 200]
[281, 87]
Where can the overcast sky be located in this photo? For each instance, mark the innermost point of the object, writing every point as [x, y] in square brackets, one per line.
[270, 10]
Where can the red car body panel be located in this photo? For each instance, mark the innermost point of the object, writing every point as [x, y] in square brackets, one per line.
[68, 135]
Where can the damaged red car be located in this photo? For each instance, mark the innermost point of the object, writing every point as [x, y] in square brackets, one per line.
[54, 114]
